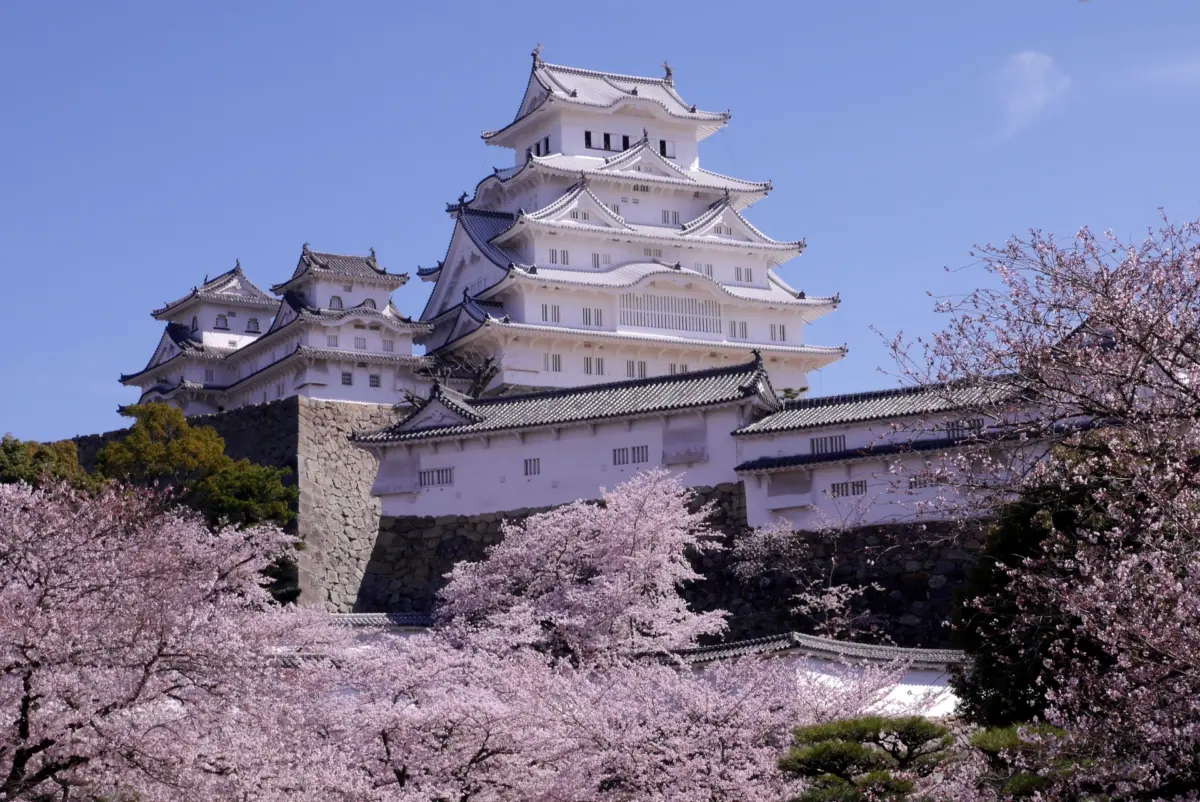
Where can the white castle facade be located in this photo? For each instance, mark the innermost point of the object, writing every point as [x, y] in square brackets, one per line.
[603, 307]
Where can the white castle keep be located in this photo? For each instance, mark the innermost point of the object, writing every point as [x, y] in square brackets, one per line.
[603, 307]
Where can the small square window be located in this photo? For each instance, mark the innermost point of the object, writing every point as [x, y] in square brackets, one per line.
[620, 456]
[533, 466]
[640, 454]
[373, 380]
[389, 346]
[331, 340]
[360, 343]
[347, 378]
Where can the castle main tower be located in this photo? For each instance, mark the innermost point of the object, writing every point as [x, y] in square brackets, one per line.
[606, 252]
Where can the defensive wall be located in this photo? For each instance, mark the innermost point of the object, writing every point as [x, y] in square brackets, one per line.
[354, 559]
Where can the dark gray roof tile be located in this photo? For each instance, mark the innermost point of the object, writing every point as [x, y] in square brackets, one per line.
[830, 410]
[338, 265]
[825, 649]
[231, 287]
[595, 402]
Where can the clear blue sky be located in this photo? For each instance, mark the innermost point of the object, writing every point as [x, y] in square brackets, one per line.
[145, 144]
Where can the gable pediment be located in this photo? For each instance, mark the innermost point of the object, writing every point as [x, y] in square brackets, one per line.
[644, 160]
[578, 206]
[434, 415]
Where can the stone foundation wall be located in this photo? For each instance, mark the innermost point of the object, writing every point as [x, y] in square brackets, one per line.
[353, 559]
[339, 519]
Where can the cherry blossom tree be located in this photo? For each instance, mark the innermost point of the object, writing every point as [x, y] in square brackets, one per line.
[144, 660]
[1098, 339]
[589, 579]
[139, 649]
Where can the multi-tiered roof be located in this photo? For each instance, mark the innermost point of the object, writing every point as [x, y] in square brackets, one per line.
[607, 210]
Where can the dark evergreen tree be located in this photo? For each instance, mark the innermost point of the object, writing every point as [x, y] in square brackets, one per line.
[857, 760]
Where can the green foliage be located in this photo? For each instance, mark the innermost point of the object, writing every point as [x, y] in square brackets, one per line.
[1018, 766]
[858, 759]
[242, 493]
[36, 463]
[162, 448]
[1006, 678]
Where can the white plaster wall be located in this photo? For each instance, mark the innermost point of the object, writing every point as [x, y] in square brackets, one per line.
[634, 117]
[575, 465]
[322, 379]
[524, 364]
[583, 243]
[888, 498]
[318, 293]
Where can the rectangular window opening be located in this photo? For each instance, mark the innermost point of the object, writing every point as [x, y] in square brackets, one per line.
[533, 466]
[829, 444]
[436, 477]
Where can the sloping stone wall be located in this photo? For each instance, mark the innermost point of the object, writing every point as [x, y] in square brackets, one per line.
[339, 519]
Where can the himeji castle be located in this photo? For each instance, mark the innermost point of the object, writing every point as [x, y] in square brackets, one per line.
[607, 252]
[603, 307]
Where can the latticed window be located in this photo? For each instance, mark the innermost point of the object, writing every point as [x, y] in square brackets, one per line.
[962, 429]
[653, 253]
[360, 343]
[839, 489]
[738, 330]
[639, 454]
[704, 268]
[373, 380]
[389, 346]
[436, 477]
[921, 481]
[209, 374]
[347, 378]
[331, 341]
[667, 312]
[552, 363]
[533, 466]
[830, 444]
[593, 365]
[620, 456]
[335, 302]
[778, 332]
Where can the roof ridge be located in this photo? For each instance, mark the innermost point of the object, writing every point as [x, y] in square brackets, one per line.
[601, 73]
[488, 213]
[754, 365]
[865, 395]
